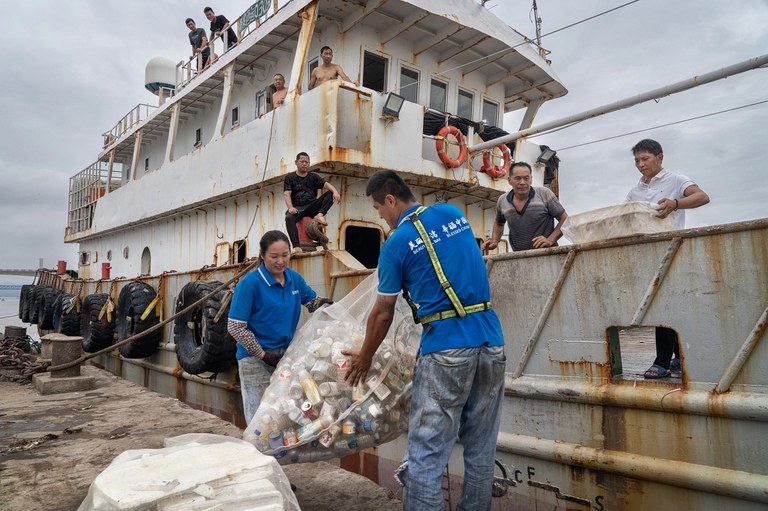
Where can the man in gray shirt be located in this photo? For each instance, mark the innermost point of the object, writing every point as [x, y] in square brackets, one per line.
[530, 213]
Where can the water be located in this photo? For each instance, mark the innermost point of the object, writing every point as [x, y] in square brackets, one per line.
[10, 305]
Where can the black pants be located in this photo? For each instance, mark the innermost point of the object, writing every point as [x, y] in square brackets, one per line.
[320, 205]
[666, 344]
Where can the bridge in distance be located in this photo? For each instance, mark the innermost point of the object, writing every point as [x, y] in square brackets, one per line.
[18, 273]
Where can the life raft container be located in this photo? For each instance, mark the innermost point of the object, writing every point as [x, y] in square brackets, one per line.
[135, 313]
[442, 146]
[492, 170]
[202, 343]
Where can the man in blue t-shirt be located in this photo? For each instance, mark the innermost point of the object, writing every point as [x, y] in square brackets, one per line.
[458, 381]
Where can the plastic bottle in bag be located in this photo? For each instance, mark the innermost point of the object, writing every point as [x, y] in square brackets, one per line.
[310, 388]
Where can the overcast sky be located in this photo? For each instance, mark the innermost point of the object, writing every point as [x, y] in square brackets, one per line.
[72, 69]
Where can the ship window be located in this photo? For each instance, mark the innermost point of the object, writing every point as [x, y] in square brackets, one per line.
[437, 93]
[464, 107]
[490, 112]
[146, 261]
[374, 72]
[198, 137]
[109, 255]
[633, 351]
[261, 103]
[409, 84]
[146, 165]
[364, 244]
[312, 65]
[239, 251]
[235, 116]
[83, 257]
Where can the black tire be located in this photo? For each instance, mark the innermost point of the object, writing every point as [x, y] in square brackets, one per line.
[45, 300]
[134, 299]
[67, 323]
[25, 299]
[201, 344]
[97, 333]
[34, 294]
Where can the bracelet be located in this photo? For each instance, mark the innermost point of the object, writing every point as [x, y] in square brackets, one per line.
[677, 205]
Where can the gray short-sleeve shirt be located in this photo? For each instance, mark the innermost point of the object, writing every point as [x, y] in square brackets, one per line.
[537, 217]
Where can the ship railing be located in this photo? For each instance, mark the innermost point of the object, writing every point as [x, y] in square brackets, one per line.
[85, 189]
[250, 20]
[129, 120]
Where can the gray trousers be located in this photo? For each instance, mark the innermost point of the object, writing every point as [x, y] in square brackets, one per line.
[254, 380]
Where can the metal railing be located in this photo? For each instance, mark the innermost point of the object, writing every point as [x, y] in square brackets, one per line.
[129, 120]
[85, 189]
[251, 19]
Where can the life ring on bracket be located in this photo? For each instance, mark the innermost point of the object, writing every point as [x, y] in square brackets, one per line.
[492, 170]
[442, 146]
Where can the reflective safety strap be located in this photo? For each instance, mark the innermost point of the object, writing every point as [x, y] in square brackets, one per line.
[444, 282]
[469, 309]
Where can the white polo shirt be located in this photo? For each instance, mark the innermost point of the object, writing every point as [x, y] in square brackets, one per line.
[663, 185]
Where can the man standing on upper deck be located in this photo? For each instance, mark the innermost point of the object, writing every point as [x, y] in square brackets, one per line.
[327, 71]
[278, 97]
[300, 194]
[672, 192]
[529, 211]
[199, 43]
[218, 25]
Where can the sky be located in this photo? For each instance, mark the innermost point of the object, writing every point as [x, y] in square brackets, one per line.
[72, 69]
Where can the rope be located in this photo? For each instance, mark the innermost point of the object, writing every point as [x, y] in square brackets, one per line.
[9, 316]
[13, 357]
[263, 174]
[132, 338]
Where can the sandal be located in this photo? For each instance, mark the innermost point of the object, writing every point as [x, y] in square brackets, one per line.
[656, 372]
[674, 365]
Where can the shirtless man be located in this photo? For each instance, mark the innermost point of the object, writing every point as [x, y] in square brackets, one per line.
[327, 71]
[278, 97]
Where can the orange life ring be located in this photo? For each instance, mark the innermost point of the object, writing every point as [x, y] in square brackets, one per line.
[442, 146]
[492, 170]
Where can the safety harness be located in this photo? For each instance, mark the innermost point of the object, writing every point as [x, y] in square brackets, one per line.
[458, 310]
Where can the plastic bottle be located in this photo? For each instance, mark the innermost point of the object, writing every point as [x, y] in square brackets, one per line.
[327, 439]
[342, 364]
[330, 389]
[329, 410]
[321, 349]
[298, 417]
[289, 437]
[324, 371]
[281, 384]
[314, 428]
[310, 388]
[294, 390]
[379, 388]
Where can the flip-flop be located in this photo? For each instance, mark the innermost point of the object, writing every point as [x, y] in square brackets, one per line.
[656, 372]
[321, 220]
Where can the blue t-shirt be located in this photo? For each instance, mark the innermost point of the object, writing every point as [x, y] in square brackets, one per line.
[271, 309]
[404, 262]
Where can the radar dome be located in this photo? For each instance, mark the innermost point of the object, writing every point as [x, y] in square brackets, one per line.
[160, 73]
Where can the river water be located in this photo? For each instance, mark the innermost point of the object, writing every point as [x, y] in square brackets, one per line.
[10, 305]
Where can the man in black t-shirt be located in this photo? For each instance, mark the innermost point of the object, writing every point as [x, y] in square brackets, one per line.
[218, 25]
[199, 43]
[300, 194]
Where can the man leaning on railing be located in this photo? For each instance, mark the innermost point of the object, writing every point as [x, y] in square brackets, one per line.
[199, 43]
[220, 28]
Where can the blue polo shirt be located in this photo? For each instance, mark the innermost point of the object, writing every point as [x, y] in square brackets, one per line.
[271, 309]
[404, 262]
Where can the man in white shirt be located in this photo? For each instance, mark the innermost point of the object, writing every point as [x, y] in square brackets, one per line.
[673, 192]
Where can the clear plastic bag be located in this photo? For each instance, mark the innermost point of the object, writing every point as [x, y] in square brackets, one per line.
[625, 219]
[308, 413]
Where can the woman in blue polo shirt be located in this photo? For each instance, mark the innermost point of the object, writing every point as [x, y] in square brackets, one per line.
[263, 316]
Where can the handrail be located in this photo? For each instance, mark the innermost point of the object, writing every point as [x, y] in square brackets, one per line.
[242, 25]
[128, 121]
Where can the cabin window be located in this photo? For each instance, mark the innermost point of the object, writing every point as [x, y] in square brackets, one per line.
[236, 116]
[312, 65]
[239, 251]
[409, 84]
[464, 106]
[634, 350]
[261, 103]
[198, 137]
[374, 72]
[146, 164]
[490, 113]
[437, 92]
[364, 244]
[109, 255]
[84, 258]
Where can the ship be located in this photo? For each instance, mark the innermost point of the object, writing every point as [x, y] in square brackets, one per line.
[181, 189]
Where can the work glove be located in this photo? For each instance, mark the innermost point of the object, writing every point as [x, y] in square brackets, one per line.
[271, 359]
[318, 302]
